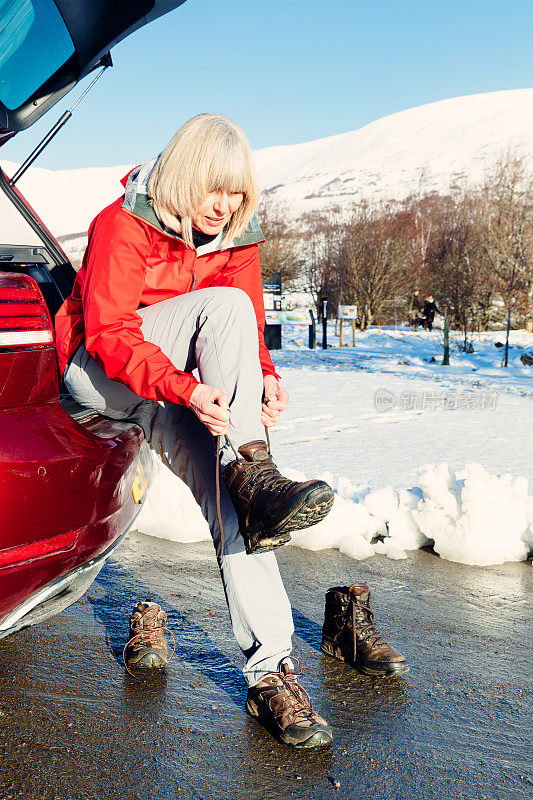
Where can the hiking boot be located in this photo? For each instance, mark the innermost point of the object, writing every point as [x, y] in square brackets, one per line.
[284, 707]
[146, 647]
[350, 634]
[268, 505]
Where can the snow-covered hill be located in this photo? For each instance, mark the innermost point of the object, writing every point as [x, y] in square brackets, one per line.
[390, 157]
[426, 146]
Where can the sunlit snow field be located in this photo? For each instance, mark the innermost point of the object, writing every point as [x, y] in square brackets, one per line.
[417, 453]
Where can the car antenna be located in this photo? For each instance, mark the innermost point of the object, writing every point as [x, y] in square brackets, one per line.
[63, 119]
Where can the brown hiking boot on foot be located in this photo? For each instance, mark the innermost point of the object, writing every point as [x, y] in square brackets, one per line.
[146, 647]
[284, 707]
[349, 633]
[268, 505]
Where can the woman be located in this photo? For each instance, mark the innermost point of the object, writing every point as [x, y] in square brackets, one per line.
[171, 282]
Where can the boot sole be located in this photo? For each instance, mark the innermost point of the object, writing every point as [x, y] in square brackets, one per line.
[384, 670]
[261, 544]
[152, 659]
[318, 736]
[302, 514]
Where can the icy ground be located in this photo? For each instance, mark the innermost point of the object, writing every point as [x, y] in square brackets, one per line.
[417, 453]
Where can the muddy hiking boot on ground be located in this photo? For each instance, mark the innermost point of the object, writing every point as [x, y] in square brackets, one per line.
[350, 634]
[146, 647]
[284, 708]
[268, 505]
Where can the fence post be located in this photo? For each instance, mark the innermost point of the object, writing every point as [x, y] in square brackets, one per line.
[312, 330]
[446, 358]
[324, 323]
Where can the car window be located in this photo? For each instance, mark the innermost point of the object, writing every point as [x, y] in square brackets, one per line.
[34, 44]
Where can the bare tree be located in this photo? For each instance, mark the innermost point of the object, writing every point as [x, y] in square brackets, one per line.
[282, 249]
[323, 265]
[373, 259]
[457, 256]
[508, 229]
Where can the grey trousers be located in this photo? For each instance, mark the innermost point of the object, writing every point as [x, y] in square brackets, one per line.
[215, 331]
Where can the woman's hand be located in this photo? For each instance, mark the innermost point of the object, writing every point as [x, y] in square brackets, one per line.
[275, 400]
[211, 406]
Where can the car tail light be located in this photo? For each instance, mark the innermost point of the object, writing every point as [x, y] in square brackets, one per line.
[24, 317]
[46, 547]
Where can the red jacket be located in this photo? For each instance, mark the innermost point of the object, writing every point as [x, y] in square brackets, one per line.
[131, 262]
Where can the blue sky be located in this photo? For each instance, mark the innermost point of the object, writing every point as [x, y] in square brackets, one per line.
[287, 71]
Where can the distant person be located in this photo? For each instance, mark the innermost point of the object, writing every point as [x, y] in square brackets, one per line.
[415, 310]
[171, 283]
[429, 311]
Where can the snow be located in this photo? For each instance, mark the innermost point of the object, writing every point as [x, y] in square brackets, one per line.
[446, 463]
[169, 510]
[424, 147]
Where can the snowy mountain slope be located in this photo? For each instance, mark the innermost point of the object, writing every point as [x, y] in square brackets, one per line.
[427, 146]
[67, 200]
[387, 158]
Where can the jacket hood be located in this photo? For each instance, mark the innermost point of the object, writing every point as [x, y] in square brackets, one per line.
[137, 201]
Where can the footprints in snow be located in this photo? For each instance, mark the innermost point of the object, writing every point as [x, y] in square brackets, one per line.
[380, 417]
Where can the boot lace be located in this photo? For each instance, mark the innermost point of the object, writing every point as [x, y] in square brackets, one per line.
[265, 474]
[295, 697]
[153, 634]
[363, 620]
[261, 473]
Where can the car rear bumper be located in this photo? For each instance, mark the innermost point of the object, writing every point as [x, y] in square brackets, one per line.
[69, 493]
[59, 594]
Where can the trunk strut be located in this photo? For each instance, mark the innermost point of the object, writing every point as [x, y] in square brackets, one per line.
[63, 119]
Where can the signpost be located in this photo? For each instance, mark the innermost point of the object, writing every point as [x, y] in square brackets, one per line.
[272, 292]
[272, 301]
[347, 312]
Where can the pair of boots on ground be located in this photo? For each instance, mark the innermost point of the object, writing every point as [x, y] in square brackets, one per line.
[278, 700]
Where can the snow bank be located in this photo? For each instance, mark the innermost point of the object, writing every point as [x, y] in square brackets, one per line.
[474, 517]
[471, 517]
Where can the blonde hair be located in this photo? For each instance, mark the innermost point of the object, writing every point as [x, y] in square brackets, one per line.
[208, 153]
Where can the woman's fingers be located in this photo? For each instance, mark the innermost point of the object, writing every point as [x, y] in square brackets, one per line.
[268, 422]
[269, 415]
[283, 398]
[271, 409]
[273, 404]
[275, 401]
[211, 406]
[214, 427]
[217, 425]
[220, 398]
[216, 413]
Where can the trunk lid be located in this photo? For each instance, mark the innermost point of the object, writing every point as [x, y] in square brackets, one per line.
[48, 46]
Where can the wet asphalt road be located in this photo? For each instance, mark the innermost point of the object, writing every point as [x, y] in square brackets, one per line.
[74, 725]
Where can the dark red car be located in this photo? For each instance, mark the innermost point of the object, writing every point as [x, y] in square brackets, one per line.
[71, 481]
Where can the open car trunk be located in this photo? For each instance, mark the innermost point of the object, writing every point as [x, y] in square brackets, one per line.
[48, 46]
[71, 481]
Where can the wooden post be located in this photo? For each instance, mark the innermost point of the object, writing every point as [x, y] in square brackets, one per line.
[340, 332]
[353, 333]
[446, 359]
